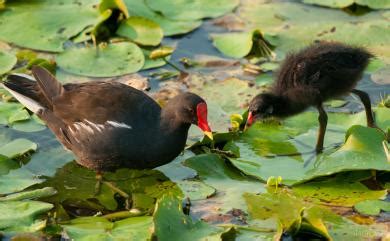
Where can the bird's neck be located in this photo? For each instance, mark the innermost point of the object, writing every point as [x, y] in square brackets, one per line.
[284, 107]
[171, 137]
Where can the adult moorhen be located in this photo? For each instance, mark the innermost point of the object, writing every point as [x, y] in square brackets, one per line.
[308, 78]
[109, 125]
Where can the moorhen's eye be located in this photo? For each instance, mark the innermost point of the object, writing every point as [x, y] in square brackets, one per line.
[191, 111]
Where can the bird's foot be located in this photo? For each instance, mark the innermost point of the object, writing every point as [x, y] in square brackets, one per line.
[128, 198]
[100, 180]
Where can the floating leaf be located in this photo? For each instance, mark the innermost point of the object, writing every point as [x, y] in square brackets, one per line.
[292, 26]
[231, 94]
[372, 207]
[170, 27]
[141, 30]
[100, 229]
[34, 194]
[271, 149]
[381, 4]
[21, 215]
[161, 52]
[15, 116]
[111, 60]
[192, 10]
[40, 31]
[17, 147]
[231, 184]
[171, 223]
[236, 45]
[7, 61]
[337, 191]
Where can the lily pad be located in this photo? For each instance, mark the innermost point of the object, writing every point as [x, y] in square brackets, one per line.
[141, 30]
[229, 182]
[170, 27]
[270, 149]
[7, 62]
[102, 61]
[192, 10]
[297, 216]
[372, 207]
[383, 4]
[40, 31]
[21, 215]
[231, 94]
[99, 228]
[291, 26]
[171, 223]
[236, 45]
[15, 116]
[17, 148]
[336, 191]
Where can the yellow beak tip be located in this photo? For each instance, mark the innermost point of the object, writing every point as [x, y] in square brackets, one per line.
[209, 134]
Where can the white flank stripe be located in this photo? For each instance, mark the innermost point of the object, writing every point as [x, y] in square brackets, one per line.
[120, 125]
[24, 100]
[25, 76]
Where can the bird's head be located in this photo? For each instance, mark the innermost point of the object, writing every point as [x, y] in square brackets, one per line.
[192, 109]
[261, 107]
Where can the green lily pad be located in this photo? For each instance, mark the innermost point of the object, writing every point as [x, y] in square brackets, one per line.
[229, 182]
[292, 26]
[236, 45]
[50, 155]
[141, 30]
[196, 190]
[21, 215]
[17, 148]
[192, 10]
[34, 194]
[372, 207]
[271, 149]
[111, 60]
[170, 27]
[382, 4]
[171, 223]
[99, 228]
[74, 182]
[40, 31]
[297, 216]
[7, 62]
[231, 94]
[15, 116]
[336, 191]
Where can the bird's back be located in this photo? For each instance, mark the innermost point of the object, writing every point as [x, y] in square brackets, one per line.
[332, 69]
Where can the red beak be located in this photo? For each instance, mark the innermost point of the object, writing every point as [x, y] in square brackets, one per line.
[249, 121]
[201, 111]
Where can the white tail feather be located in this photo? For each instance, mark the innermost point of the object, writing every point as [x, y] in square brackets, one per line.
[24, 100]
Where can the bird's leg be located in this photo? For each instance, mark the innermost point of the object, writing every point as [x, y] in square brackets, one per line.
[323, 120]
[100, 181]
[128, 198]
[367, 106]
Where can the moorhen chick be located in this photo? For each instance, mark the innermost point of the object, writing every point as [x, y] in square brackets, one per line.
[311, 76]
[109, 125]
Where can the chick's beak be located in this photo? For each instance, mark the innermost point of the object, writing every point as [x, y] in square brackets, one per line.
[201, 111]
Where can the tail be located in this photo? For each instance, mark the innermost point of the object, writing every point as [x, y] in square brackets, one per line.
[35, 95]
[23, 88]
[48, 84]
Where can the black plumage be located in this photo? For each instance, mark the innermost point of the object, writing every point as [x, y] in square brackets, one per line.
[109, 125]
[311, 76]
